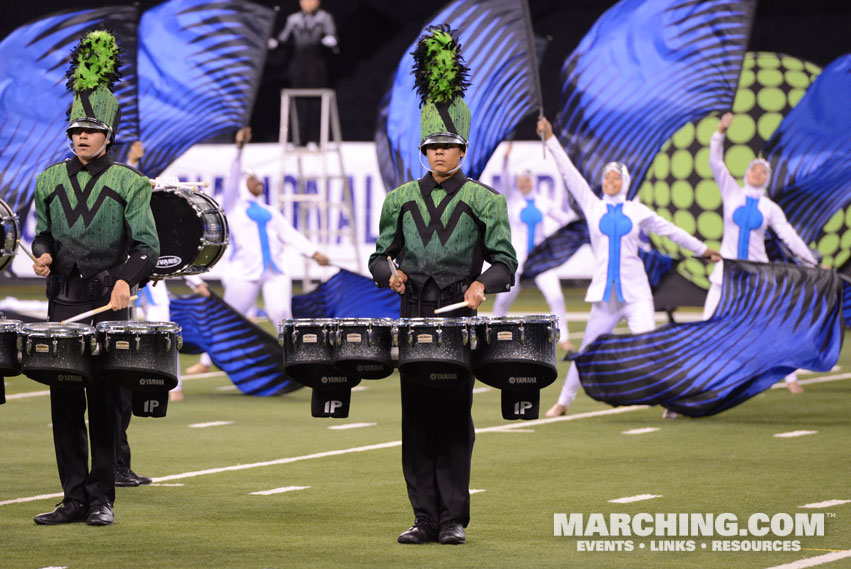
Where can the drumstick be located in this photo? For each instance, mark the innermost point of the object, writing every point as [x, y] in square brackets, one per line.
[392, 267]
[27, 251]
[93, 312]
[451, 307]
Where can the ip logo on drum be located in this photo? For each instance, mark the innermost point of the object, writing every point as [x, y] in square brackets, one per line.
[167, 261]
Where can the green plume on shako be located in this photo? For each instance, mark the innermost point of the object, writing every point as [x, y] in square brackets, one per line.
[91, 76]
[440, 77]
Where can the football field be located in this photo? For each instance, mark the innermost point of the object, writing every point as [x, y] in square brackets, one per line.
[245, 482]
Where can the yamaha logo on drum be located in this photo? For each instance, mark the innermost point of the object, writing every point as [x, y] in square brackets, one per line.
[522, 380]
[370, 367]
[443, 376]
[152, 381]
[167, 261]
[335, 379]
[69, 377]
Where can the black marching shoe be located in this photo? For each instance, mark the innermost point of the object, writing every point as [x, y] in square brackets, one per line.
[68, 512]
[129, 478]
[419, 533]
[452, 534]
[101, 515]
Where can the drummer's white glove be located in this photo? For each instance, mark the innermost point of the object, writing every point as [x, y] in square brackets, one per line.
[272, 43]
[329, 41]
[166, 181]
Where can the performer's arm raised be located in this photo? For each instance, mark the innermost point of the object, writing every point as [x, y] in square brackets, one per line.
[573, 180]
[726, 183]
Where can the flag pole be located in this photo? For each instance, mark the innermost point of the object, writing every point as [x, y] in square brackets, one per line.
[533, 56]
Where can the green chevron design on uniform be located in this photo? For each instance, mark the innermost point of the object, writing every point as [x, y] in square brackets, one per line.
[98, 225]
[471, 224]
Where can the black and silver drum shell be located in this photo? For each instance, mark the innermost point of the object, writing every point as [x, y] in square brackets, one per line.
[141, 356]
[309, 353]
[362, 347]
[208, 238]
[58, 354]
[516, 353]
[435, 351]
[11, 232]
[10, 365]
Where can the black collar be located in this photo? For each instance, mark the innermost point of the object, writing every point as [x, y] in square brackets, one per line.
[427, 183]
[94, 167]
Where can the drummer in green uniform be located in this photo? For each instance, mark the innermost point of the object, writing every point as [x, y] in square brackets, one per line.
[440, 229]
[95, 239]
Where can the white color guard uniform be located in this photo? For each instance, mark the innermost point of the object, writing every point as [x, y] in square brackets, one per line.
[763, 214]
[541, 216]
[748, 213]
[258, 235]
[619, 287]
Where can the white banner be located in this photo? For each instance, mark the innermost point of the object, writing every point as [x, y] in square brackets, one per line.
[280, 171]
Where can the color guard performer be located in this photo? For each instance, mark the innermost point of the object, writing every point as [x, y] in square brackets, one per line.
[619, 288]
[258, 236]
[748, 213]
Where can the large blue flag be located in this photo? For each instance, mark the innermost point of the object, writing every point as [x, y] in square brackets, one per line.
[252, 358]
[494, 40]
[347, 295]
[646, 68]
[810, 152]
[771, 320]
[34, 101]
[200, 64]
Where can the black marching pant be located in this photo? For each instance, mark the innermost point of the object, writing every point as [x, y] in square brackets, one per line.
[122, 449]
[71, 439]
[437, 440]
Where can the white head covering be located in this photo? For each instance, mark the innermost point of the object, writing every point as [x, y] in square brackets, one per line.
[621, 169]
[757, 191]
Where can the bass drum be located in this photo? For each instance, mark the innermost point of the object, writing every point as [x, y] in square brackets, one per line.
[193, 231]
[10, 234]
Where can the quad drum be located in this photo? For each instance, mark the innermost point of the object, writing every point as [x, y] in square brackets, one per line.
[515, 355]
[140, 356]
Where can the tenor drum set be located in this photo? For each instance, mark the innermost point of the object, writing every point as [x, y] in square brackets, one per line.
[141, 356]
[514, 355]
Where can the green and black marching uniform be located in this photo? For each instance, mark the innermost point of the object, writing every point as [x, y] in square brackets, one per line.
[440, 234]
[95, 221]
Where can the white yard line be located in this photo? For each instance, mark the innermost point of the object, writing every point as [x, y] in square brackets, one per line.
[340, 452]
[279, 490]
[474, 491]
[638, 498]
[210, 424]
[793, 434]
[826, 504]
[813, 561]
[643, 431]
[351, 426]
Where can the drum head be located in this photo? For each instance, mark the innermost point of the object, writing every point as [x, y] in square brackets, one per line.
[179, 229]
[55, 329]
